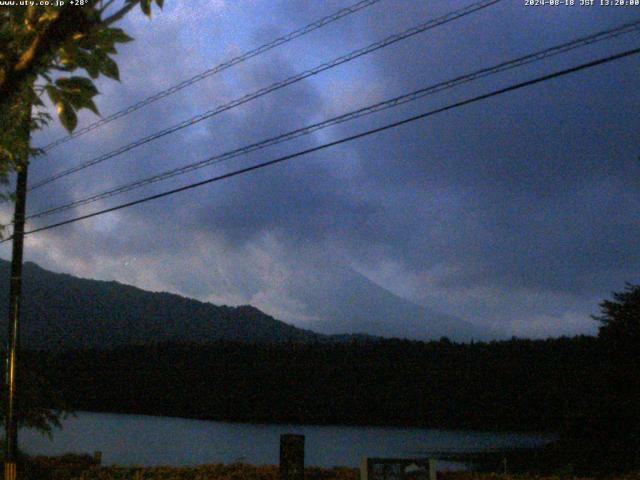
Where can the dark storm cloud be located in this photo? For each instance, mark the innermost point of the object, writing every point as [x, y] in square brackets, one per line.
[529, 195]
[547, 175]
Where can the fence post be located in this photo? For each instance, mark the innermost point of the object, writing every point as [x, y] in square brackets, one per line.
[291, 457]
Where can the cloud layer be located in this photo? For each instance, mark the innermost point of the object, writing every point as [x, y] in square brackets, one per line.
[519, 213]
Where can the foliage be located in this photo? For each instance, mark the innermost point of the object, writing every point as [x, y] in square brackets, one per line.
[63, 467]
[39, 403]
[605, 423]
[511, 385]
[234, 471]
[70, 467]
[81, 467]
[620, 318]
[45, 44]
[496, 476]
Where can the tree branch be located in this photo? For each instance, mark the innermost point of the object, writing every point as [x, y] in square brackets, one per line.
[104, 7]
[120, 13]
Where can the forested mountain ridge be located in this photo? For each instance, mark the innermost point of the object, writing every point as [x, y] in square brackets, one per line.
[63, 311]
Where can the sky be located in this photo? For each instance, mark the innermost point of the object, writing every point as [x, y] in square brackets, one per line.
[519, 213]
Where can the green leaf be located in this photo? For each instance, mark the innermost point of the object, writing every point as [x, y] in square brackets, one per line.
[37, 101]
[91, 106]
[145, 5]
[105, 38]
[81, 85]
[110, 68]
[92, 69]
[119, 36]
[67, 115]
[90, 62]
[54, 94]
[69, 58]
[160, 3]
[77, 91]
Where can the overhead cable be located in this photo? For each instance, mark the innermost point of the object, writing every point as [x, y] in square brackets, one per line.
[271, 88]
[367, 133]
[390, 103]
[217, 69]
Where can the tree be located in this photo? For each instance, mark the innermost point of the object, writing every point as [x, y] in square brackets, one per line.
[40, 46]
[44, 44]
[620, 319]
[609, 420]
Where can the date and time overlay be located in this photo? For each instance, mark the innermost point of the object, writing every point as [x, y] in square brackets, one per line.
[526, 3]
[581, 3]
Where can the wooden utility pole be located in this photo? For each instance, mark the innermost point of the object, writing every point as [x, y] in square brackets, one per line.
[15, 288]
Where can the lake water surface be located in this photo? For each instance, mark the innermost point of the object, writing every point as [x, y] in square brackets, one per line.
[146, 440]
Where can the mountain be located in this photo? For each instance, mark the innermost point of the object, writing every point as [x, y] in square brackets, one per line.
[348, 302]
[63, 311]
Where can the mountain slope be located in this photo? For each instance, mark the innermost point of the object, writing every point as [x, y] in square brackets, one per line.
[63, 311]
[348, 302]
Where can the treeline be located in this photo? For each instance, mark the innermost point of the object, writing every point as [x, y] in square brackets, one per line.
[525, 385]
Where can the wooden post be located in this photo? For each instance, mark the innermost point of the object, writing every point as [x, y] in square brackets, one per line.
[15, 290]
[291, 457]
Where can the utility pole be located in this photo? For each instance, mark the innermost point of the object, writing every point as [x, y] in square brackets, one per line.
[15, 288]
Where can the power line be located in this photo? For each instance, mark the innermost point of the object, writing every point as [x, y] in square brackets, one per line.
[217, 69]
[343, 140]
[276, 86]
[394, 102]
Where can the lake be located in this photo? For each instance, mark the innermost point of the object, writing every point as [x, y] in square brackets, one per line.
[147, 440]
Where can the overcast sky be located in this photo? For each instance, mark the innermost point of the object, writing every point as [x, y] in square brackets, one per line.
[520, 212]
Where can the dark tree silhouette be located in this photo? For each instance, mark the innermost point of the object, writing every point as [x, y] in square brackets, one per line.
[620, 319]
[609, 426]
